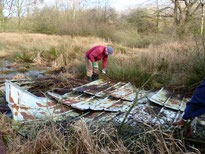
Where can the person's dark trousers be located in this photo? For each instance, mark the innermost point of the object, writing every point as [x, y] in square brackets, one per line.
[89, 78]
[95, 76]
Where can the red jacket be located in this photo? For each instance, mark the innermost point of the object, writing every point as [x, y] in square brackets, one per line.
[97, 53]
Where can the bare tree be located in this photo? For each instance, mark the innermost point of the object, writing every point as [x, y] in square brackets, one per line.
[202, 16]
[184, 10]
[21, 7]
[6, 11]
[157, 13]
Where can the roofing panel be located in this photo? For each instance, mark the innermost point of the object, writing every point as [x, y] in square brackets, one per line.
[183, 104]
[93, 90]
[174, 102]
[90, 86]
[160, 97]
[112, 88]
[26, 106]
[123, 92]
[120, 106]
[104, 104]
[87, 104]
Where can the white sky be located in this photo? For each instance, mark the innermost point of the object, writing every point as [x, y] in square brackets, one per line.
[117, 4]
[124, 4]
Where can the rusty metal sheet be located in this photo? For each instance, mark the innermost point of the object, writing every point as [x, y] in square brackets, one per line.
[123, 91]
[105, 92]
[22, 113]
[21, 97]
[160, 97]
[92, 116]
[26, 106]
[70, 95]
[183, 104]
[90, 86]
[127, 92]
[94, 90]
[120, 106]
[106, 117]
[87, 104]
[94, 103]
[70, 99]
[174, 102]
[104, 104]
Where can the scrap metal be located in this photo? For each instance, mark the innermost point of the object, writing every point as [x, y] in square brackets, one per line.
[103, 100]
[26, 106]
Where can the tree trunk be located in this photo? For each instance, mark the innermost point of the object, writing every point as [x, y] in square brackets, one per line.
[74, 9]
[202, 18]
[157, 21]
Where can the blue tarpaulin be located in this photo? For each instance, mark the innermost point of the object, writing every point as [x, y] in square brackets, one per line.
[196, 106]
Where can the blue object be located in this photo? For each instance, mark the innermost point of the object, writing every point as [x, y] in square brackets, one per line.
[110, 50]
[196, 106]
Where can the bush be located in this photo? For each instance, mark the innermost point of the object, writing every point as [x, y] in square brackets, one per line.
[141, 19]
[23, 56]
[130, 39]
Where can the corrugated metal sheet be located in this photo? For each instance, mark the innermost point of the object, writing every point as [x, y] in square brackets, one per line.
[174, 102]
[106, 101]
[160, 97]
[26, 106]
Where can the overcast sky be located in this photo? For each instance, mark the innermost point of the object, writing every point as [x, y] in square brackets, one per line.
[118, 4]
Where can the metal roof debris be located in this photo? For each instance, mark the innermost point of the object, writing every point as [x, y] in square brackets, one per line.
[26, 106]
[102, 101]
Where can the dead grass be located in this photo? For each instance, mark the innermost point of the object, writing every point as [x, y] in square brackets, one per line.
[80, 138]
[173, 61]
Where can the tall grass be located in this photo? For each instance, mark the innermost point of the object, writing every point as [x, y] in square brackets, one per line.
[178, 64]
[63, 137]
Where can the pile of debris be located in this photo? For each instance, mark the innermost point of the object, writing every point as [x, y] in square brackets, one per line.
[98, 100]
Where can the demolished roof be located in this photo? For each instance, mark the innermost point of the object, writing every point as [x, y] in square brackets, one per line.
[100, 100]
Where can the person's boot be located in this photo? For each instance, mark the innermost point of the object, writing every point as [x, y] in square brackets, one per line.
[95, 76]
[188, 131]
[180, 123]
[89, 78]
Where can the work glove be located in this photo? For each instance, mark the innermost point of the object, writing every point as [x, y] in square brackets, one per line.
[95, 67]
[103, 71]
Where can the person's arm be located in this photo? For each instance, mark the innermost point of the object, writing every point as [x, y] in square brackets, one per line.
[105, 62]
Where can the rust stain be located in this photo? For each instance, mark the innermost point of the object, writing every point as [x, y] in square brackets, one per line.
[119, 103]
[18, 98]
[10, 98]
[51, 103]
[14, 106]
[173, 102]
[62, 108]
[40, 105]
[70, 102]
[27, 116]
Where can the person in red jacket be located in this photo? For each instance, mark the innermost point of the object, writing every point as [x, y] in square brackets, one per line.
[92, 56]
